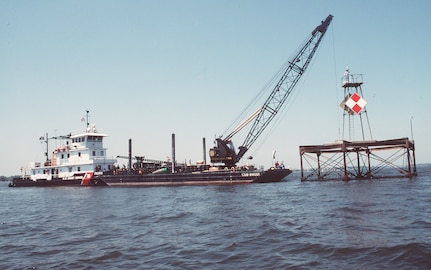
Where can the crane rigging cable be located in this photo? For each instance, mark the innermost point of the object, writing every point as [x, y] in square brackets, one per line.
[258, 98]
[224, 152]
[278, 118]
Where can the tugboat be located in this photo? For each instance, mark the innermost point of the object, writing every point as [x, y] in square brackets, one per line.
[78, 160]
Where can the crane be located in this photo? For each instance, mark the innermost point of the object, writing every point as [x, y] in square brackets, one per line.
[224, 151]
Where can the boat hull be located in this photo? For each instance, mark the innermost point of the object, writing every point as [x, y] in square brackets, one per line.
[197, 178]
[19, 182]
[165, 179]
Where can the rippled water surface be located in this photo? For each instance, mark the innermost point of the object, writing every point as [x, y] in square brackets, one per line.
[369, 224]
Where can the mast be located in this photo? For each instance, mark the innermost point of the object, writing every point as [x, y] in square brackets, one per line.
[47, 148]
[87, 111]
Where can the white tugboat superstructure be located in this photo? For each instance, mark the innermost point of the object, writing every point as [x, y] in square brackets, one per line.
[82, 153]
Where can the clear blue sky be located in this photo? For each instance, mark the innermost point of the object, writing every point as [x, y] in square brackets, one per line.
[147, 69]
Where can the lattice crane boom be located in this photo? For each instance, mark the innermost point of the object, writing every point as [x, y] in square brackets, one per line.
[224, 151]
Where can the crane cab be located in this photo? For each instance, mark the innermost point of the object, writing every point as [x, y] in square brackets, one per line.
[223, 152]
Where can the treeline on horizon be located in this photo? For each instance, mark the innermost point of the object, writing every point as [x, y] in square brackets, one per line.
[6, 178]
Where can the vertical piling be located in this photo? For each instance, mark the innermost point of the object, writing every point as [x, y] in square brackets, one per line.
[173, 152]
[130, 157]
[204, 151]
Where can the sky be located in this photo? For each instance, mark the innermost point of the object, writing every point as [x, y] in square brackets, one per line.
[147, 69]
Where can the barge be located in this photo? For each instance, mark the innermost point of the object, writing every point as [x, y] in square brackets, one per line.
[82, 161]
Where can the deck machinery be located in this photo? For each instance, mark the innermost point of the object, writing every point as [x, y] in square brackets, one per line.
[224, 151]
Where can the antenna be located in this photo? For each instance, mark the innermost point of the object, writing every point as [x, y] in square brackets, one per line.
[87, 111]
[411, 127]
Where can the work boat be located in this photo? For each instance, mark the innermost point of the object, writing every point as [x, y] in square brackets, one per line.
[82, 161]
[82, 156]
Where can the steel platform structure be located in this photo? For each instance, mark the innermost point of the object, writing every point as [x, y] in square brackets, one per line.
[358, 160]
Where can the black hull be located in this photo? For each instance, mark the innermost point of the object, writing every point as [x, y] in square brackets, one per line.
[197, 178]
[19, 182]
[165, 179]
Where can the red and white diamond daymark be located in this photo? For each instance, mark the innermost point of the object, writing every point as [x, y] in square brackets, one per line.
[356, 103]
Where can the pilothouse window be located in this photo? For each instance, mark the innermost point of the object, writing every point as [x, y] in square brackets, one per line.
[94, 138]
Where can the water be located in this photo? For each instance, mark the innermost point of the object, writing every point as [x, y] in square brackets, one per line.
[369, 224]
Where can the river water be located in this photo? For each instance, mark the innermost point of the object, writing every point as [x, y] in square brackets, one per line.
[367, 224]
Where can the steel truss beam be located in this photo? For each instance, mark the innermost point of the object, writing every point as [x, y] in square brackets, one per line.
[358, 160]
